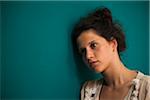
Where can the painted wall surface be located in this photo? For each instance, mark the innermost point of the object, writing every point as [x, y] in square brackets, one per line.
[0, 49]
[37, 56]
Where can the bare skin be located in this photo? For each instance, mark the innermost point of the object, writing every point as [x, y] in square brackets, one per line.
[117, 88]
[102, 56]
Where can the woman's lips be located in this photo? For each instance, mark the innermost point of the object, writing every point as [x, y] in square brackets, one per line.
[93, 63]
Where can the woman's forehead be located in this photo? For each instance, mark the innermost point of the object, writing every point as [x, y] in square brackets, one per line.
[87, 36]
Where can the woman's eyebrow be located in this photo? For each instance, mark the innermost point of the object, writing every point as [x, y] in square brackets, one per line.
[91, 42]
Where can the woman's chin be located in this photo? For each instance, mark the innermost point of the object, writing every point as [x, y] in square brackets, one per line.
[97, 69]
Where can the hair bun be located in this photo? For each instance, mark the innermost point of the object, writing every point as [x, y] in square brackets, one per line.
[101, 20]
[102, 15]
[106, 14]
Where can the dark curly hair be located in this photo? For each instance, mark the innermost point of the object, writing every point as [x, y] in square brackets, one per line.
[102, 22]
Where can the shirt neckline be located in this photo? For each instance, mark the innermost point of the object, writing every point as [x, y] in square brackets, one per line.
[138, 76]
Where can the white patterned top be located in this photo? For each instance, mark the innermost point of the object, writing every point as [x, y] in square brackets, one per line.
[140, 89]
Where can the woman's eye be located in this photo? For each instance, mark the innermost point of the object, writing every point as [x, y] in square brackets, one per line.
[93, 45]
[82, 51]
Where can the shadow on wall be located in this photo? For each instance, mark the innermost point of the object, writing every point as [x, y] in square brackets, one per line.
[83, 72]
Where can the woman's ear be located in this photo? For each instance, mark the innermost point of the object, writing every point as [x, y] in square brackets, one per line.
[114, 44]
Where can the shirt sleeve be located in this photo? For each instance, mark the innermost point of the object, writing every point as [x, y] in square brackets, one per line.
[147, 97]
[82, 90]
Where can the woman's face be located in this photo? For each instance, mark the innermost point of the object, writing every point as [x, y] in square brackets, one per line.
[96, 51]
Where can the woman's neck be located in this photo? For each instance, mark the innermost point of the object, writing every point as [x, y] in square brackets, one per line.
[117, 75]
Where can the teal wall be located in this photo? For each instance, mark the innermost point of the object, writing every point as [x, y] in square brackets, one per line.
[37, 56]
[0, 50]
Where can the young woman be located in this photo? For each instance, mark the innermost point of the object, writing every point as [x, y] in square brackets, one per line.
[99, 41]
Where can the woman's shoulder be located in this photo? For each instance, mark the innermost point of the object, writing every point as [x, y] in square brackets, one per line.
[90, 88]
[146, 81]
[143, 78]
[92, 83]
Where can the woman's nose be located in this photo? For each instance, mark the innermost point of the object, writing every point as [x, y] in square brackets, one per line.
[89, 54]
